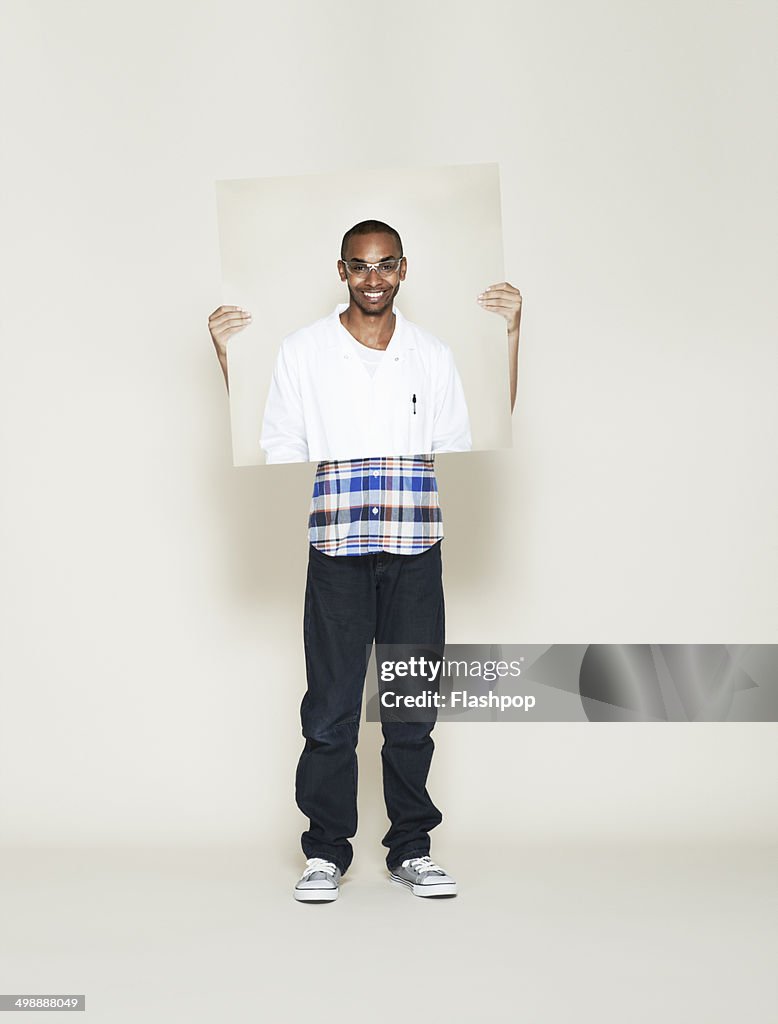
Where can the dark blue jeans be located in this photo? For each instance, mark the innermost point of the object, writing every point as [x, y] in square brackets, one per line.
[350, 601]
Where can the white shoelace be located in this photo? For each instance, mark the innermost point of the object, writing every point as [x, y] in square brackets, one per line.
[422, 864]
[319, 864]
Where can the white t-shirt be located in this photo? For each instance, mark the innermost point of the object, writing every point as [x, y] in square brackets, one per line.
[371, 357]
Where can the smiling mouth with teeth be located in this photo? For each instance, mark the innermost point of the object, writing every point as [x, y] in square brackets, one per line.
[374, 295]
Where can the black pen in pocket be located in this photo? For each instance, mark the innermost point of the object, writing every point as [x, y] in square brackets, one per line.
[414, 405]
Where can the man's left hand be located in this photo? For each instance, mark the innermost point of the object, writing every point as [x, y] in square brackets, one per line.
[503, 299]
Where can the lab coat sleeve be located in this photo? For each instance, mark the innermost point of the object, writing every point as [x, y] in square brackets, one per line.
[451, 427]
[283, 427]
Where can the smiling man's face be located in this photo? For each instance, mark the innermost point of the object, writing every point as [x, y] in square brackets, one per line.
[373, 294]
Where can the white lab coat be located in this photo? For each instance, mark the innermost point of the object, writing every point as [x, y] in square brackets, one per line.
[323, 403]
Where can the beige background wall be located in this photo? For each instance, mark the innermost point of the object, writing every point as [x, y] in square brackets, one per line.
[152, 594]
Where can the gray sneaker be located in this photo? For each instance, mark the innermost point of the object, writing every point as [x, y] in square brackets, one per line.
[319, 882]
[424, 877]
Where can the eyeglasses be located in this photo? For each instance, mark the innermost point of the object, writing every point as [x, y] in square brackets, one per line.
[356, 268]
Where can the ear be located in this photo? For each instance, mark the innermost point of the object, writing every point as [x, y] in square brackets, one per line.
[342, 271]
[403, 268]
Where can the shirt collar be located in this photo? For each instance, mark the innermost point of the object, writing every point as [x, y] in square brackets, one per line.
[338, 336]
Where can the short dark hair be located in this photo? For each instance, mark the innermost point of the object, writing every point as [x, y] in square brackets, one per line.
[369, 227]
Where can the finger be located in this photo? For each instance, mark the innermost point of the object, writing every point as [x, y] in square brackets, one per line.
[508, 307]
[228, 320]
[226, 309]
[227, 331]
[499, 304]
[499, 289]
[234, 311]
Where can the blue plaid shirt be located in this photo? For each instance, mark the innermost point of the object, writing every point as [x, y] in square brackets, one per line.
[361, 506]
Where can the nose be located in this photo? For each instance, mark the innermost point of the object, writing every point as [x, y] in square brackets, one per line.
[373, 276]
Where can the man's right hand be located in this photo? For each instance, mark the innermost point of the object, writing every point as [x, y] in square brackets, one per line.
[223, 323]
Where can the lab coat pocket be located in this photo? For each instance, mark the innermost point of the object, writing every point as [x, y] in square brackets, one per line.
[411, 408]
[419, 420]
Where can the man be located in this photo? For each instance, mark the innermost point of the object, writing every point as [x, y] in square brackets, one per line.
[374, 568]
